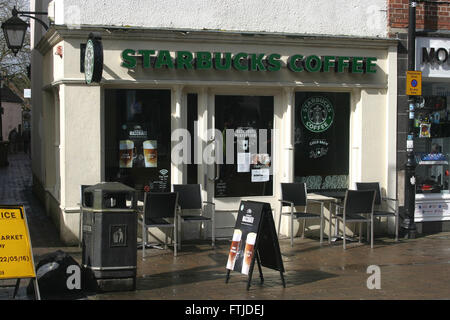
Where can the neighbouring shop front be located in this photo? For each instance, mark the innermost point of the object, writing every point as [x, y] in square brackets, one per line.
[271, 108]
[432, 125]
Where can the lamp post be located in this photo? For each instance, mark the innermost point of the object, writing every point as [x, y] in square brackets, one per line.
[408, 226]
[15, 28]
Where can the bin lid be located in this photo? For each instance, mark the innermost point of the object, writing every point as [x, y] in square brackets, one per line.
[110, 186]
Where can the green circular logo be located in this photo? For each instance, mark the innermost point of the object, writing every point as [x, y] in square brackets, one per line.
[317, 114]
[89, 61]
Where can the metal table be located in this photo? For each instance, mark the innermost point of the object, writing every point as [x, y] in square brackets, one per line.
[338, 196]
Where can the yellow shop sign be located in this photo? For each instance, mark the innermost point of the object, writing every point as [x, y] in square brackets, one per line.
[16, 256]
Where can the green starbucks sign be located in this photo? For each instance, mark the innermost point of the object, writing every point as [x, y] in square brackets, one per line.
[317, 114]
[93, 58]
[242, 61]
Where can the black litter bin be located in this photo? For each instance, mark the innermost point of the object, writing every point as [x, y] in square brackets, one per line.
[110, 235]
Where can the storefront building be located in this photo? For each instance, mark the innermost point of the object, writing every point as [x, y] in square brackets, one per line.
[272, 107]
[430, 129]
[433, 136]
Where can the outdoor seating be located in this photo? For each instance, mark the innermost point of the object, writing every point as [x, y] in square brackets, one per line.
[295, 195]
[191, 209]
[159, 211]
[357, 208]
[382, 211]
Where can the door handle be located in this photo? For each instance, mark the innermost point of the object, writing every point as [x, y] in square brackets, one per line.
[217, 167]
[216, 173]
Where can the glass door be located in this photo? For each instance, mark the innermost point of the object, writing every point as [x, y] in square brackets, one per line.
[239, 139]
[243, 146]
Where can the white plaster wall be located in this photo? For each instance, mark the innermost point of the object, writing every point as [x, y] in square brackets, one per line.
[327, 17]
[80, 159]
[37, 137]
[373, 134]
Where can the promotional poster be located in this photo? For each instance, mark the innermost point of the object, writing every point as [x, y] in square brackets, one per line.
[244, 238]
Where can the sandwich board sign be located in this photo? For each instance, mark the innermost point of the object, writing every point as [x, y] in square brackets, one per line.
[16, 255]
[254, 239]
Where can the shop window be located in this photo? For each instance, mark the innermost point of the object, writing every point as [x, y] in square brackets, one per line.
[137, 138]
[432, 139]
[322, 134]
[251, 120]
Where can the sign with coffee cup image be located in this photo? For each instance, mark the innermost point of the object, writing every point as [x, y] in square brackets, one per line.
[254, 239]
[126, 154]
[150, 148]
[137, 150]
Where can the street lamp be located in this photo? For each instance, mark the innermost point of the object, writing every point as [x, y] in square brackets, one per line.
[15, 29]
[408, 226]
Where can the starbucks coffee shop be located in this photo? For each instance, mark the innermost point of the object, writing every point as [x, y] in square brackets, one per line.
[314, 109]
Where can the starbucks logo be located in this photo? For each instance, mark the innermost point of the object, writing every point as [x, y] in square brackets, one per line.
[317, 114]
[93, 59]
[89, 61]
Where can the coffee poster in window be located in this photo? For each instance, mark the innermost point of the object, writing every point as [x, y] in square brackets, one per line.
[137, 150]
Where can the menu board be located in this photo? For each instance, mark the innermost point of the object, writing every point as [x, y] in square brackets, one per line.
[254, 238]
[244, 238]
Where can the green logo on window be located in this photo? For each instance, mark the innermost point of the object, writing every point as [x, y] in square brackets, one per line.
[317, 114]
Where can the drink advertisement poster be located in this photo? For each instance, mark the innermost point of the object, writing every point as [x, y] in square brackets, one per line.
[244, 238]
[136, 150]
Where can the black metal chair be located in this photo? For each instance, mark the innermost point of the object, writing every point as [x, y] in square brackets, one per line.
[380, 211]
[192, 209]
[160, 211]
[358, 208]
[295, 195]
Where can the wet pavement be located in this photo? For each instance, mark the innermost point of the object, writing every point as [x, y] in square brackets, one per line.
[409, 269]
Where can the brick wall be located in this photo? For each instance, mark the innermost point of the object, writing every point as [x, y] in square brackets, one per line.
[429, 16]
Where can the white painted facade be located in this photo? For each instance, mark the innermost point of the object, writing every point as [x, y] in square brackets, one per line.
[68, 115]
[324, 17]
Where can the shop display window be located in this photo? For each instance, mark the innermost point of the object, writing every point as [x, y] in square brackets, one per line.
[322, 135]
[432, 139]
[251, 118]
[137, 138]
